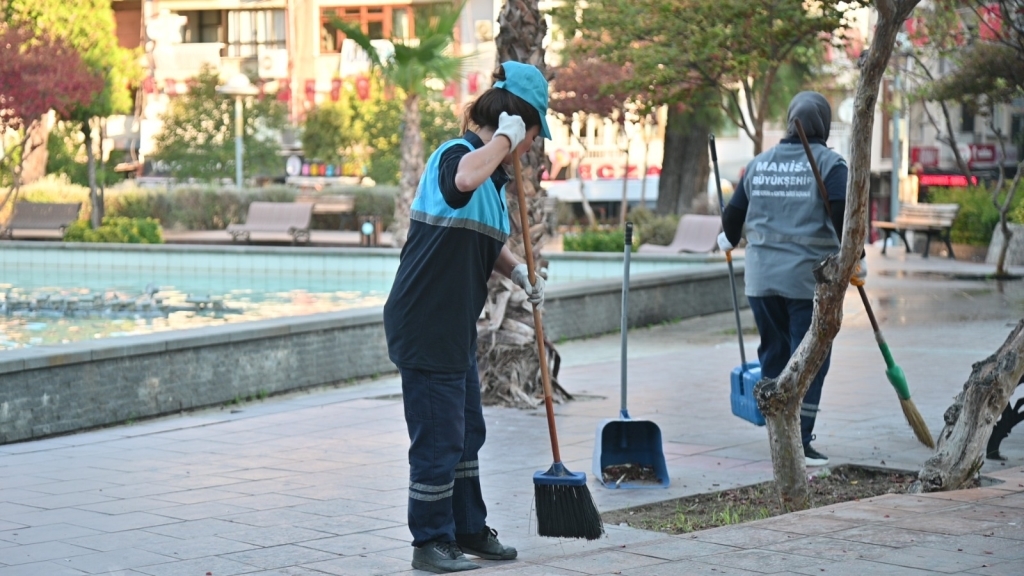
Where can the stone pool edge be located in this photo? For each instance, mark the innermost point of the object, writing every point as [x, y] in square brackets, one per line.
[50, 390]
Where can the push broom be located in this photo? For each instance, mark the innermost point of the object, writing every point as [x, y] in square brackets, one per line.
[892, 371]
[565, 508]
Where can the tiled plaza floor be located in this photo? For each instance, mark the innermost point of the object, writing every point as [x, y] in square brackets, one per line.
[316, 482]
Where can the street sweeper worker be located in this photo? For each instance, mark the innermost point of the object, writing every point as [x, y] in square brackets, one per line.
[459, 225]
[788, 231]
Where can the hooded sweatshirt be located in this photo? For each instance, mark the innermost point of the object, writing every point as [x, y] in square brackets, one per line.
[787, 226]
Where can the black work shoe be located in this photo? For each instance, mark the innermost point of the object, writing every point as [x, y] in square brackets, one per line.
[485, 545]
[441, 557]
[814, 458]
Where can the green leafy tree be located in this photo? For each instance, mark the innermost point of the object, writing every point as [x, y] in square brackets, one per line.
[412, 68]
[366, 134]
[37, 74]
[989, 74]
[734, 47]
[198, 138]
[87, 26]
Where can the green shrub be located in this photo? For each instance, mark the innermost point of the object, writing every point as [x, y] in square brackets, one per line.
[596, 241]
[116, 230]
[978, 216]
[380, 203]
[195, 208]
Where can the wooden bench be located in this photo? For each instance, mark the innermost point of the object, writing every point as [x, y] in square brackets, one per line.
[281, 217]
[932, 219]
[40, 220]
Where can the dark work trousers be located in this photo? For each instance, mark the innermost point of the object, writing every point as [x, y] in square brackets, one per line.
[782, 323]
[446, 426]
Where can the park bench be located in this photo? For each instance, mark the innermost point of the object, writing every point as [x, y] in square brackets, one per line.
[39, 220]
[935, 220]
[291, 218]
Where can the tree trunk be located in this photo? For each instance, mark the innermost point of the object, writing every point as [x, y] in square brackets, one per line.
[94, 197]
[411, 168]
[686, 164]
[35, 155]
[507, 349]
[588, 210]
[961, 164]
[960, 452]
[1004, 209]
[779, 399]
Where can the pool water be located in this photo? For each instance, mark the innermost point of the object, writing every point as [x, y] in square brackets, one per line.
[55, 293]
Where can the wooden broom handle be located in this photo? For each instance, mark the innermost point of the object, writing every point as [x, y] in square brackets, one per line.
[538, 327]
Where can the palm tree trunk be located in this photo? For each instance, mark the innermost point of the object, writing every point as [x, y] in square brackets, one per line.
[411, 168]
[507, 352]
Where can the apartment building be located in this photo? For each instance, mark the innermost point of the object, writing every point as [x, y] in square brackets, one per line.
[291, 48]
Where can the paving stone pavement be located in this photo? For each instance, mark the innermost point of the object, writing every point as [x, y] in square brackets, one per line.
[316, 482]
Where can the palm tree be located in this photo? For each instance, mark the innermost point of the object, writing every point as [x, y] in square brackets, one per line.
[507, 352]
[412, 67]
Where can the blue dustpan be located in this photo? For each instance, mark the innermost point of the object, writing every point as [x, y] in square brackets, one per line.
[624, 441]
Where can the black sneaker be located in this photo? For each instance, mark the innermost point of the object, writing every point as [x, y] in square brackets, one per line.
[814, 458]
[441, 557]
[485, 545]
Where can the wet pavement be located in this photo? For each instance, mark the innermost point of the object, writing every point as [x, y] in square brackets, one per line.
[316, 482]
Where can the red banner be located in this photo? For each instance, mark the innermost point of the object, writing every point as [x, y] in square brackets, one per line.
[991, 26]
[335, 89]
[947, 180]
[924, 155]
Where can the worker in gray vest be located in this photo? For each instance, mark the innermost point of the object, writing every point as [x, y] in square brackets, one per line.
[788, 230]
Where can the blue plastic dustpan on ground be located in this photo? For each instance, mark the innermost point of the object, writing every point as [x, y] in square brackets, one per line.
[624, 443]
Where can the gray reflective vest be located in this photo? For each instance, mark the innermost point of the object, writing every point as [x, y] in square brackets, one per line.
[787, 227]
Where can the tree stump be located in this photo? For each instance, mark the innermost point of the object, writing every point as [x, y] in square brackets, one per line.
[962, 444]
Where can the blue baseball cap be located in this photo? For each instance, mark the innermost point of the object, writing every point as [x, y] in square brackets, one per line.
[527, 82]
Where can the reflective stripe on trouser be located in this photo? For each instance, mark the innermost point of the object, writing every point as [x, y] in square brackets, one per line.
[782, 323]
[445, 419]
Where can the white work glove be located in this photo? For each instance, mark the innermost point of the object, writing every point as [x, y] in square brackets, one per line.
[521, 276]
[860, 273]
[511, 127]
[723, 243]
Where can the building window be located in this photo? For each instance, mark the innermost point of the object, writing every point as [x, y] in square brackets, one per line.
[202, 26]
[250, 29]
[377, 22]
[966, 118]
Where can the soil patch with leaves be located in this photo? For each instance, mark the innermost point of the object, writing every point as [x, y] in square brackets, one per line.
[703, 511]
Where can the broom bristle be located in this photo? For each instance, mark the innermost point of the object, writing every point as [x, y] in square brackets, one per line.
[917, 423]
[566, 511]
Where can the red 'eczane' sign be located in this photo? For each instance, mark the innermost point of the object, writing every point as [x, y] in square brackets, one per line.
[947, 180]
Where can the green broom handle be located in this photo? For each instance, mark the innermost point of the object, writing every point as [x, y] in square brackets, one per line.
[538, 327]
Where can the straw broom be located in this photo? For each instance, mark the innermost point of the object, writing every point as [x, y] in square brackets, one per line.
[892, 371]
[565, 508]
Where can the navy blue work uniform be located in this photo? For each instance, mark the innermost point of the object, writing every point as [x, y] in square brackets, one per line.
[430, 317]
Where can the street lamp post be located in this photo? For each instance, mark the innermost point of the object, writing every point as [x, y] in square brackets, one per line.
[239, 87]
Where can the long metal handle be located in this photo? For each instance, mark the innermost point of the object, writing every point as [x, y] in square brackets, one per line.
[728, 255]
[538, 326]
[623, 410]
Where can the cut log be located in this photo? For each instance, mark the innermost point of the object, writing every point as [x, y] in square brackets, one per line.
[961, 447]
